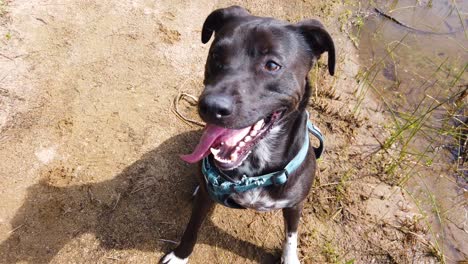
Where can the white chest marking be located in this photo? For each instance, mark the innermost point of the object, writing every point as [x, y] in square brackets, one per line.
[259, 201]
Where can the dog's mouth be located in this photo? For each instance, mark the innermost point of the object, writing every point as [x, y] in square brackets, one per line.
[230, 147]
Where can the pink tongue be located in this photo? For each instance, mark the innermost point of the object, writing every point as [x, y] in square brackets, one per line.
[210, 134]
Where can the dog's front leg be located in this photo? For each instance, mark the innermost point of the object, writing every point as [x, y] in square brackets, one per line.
[291, 216]
[201, 207]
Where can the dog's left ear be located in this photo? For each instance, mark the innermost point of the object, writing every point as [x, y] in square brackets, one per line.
[318, 40]
[218, 18]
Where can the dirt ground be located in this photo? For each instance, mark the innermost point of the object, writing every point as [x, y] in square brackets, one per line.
[89, 145]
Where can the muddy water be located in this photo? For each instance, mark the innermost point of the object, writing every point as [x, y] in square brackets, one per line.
[413, 70]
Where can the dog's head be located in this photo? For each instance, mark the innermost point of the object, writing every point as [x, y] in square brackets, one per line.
[255, 73]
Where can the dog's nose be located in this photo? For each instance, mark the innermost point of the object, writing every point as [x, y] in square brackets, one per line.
[216, 106]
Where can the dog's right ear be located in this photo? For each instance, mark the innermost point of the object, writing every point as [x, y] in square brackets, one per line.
[218, 18]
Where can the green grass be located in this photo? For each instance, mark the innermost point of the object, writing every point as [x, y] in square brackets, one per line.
[420, 128]
[352, 22]
[330, 252]
[2, 8]
[434, 246]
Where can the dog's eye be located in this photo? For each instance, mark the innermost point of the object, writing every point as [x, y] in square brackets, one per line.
[272, 66]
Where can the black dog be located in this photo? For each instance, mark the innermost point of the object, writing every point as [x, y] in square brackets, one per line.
[255, 147]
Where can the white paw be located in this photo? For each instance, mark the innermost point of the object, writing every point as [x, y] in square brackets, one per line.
[290, 249]
[290, 259]
[173, 259]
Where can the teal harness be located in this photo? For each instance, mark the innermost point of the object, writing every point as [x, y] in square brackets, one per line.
[220, 188]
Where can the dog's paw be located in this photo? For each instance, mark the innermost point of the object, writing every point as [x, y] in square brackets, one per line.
[290, 259]
[171, 258]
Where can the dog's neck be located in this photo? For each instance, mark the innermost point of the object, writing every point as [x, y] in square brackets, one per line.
[280, 146]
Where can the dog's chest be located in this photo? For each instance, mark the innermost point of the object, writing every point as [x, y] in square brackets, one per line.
[260, 200]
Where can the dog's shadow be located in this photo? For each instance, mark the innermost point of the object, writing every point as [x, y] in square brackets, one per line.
[144, 207]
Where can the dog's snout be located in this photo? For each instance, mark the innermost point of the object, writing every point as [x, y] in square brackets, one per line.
[216, 106]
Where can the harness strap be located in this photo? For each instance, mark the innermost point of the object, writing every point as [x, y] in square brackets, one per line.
[314, 130]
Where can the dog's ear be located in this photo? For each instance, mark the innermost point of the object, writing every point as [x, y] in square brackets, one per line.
[218, 18]
[318, 40]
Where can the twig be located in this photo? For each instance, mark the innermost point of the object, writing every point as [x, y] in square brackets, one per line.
[116, 202]
[41, 20]
[327, 184]
[382, 13]
[91, 196]
[140, 189]
[15, 229]
[6, 57]
[176, 111]
[169, 241]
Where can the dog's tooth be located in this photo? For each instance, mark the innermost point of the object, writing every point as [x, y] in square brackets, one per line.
[238, 148]
[222, 143]
[221, 159]
[241, 144]
[253, 133]
[234, 156]
[215, 151]
[247, 138]
[258, 125]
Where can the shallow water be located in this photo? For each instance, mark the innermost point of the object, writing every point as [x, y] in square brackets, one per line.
[421, 73]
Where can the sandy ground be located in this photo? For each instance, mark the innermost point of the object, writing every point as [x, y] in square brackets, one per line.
[89, 169]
